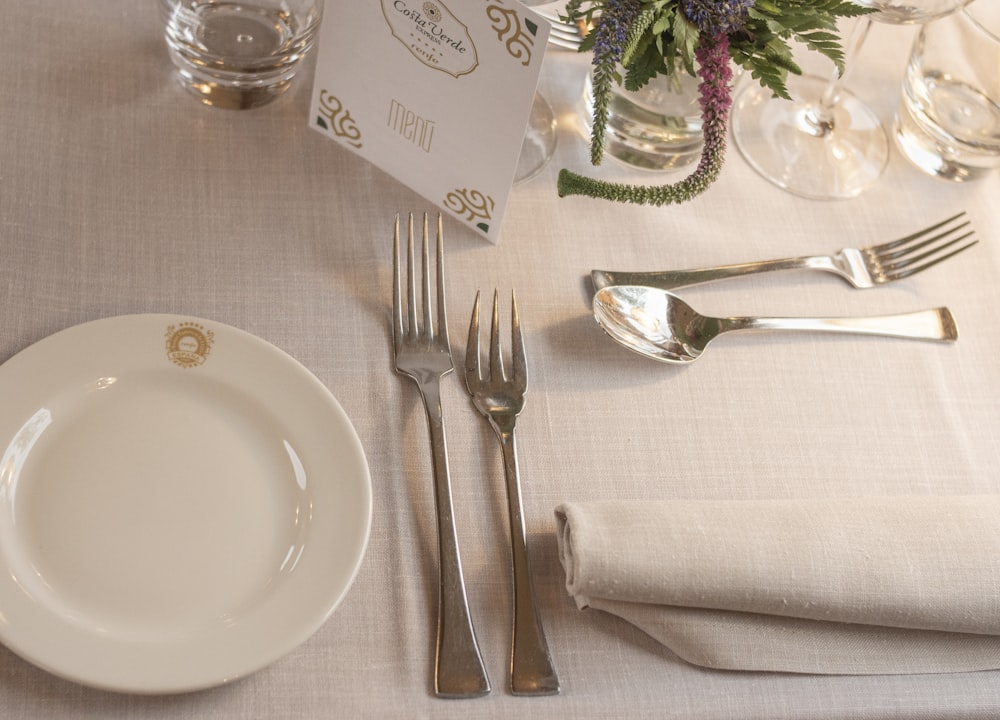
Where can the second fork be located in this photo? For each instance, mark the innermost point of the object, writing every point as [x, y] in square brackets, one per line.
[499, 395]
[863, 268]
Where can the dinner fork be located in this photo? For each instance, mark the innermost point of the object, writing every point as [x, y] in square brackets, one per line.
[500, 397]
[423, 353]
[861, 267]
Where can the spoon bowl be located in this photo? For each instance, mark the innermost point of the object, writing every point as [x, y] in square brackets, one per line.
[658, 324]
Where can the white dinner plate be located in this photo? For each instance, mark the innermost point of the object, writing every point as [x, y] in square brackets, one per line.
[181, 503]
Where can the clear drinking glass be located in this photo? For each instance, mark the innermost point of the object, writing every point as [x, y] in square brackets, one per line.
[239, 53]
[540, 136]
[948, 123]
[826, 143]
[539, 140]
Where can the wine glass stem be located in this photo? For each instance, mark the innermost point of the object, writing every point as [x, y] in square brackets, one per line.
[821, 116]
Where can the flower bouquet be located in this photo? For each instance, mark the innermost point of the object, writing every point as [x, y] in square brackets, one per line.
[703, 38]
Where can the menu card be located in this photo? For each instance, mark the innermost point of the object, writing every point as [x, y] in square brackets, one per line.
[437, 95]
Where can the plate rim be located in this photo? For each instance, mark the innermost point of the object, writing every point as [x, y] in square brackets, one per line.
[42, 652]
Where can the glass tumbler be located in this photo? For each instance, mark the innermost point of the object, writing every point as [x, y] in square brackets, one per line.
[948, 123]
[239, 54]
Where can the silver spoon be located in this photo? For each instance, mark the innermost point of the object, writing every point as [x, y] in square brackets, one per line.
[660, 325]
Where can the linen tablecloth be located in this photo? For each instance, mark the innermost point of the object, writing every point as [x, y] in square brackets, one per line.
[119, 194]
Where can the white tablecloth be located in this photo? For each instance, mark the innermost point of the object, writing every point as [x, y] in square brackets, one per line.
[119, 194]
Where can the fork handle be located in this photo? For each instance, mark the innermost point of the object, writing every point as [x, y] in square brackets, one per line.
[531, 668]
[458, 667]
[671, 279]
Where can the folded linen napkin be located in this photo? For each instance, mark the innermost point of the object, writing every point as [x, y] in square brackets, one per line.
[841, 586]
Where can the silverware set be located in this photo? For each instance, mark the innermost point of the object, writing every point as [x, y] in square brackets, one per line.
[640, 311]
[423, 353]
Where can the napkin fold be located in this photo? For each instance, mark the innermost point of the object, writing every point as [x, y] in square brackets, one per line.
[884, 585]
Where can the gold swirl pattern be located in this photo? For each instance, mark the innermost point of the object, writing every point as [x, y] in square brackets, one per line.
[472, 205]
[341, 124]
[510, 29]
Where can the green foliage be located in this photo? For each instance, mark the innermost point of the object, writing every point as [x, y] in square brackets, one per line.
[662, 38]
[762, 46]
[637, 34]
[601, 80]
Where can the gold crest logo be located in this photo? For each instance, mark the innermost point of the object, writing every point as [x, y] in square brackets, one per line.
[188, 344]
[432, 11]
[433, 34]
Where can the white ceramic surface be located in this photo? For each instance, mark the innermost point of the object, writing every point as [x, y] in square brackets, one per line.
[181, 503]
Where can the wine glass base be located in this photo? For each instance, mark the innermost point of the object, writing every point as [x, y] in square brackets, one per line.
[786, 143]
[539, 140]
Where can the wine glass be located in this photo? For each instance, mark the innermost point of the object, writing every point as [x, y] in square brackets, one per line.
[540, 136]
[826, 143]
[539, 140]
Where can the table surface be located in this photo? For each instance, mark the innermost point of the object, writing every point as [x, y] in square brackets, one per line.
[122, 195]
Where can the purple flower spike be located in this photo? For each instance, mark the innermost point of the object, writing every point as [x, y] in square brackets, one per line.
[610, 36]
[717, 16]
[715, 74]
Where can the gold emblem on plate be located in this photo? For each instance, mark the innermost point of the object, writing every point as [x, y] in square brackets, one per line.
[188, 344]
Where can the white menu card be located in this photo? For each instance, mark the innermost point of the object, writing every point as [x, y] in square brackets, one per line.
[434, 92]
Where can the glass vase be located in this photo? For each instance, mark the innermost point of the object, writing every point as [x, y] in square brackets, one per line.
[657, 127]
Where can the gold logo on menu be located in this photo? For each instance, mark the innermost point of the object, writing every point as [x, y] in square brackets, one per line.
[432, 34]
[188, 344]
[432, 11]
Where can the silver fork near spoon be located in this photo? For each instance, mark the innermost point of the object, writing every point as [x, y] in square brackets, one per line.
[865, 267]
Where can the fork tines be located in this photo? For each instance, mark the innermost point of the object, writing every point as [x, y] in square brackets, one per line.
[518, 375]
[926, 248]
[406, 322]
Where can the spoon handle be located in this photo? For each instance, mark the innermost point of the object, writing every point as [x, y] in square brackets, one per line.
[936, 324]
